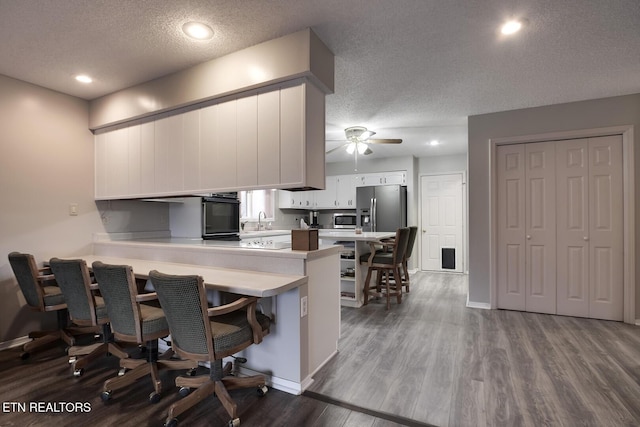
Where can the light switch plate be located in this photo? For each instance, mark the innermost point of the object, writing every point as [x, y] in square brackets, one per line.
[303, 306]
[73, 209]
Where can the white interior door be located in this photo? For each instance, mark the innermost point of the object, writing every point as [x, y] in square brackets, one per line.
[442, 222]
[540, 202]
[511, 226]
[572, 176]
[606, 287]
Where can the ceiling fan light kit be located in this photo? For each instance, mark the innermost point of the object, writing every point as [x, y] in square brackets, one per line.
[357, 140]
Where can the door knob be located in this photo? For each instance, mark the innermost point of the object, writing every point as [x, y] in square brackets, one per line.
[424, 231]
[528, 237]
[585, 238]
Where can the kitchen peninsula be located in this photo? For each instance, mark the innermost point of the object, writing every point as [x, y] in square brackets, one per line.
[306, 327]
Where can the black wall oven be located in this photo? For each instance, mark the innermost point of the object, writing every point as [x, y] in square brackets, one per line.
[221, 217]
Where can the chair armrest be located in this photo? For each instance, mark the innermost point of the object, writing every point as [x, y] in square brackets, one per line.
[150, 296]
[250, 303]
[231, 307]
[45, 277]
[94, 287]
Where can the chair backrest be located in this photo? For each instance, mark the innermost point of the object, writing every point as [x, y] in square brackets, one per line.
[26, 271]
[74, 280]
[184, 302]
[400, 248]
[117, 285]
[413, 231]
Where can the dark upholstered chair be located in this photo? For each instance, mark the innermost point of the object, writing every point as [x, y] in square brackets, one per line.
[134, 322]
[42, 297]
[208, 335]
[406, 282]
[387, 266]
[85, 309]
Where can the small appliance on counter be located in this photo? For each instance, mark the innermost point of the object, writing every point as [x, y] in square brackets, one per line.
[344, 220]
[313, 219]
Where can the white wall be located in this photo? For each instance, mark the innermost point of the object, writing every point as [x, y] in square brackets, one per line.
[46, 163]
[606, 112]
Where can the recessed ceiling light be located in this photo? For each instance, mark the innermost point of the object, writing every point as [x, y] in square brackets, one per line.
[197, 30]
[434, 143]
[511, 27]
[82, 78]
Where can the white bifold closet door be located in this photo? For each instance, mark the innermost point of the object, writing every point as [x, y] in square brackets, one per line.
[560, 227]
[590, 228]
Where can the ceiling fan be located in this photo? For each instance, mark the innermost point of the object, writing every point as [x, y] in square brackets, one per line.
[358, 138]
[357, 142]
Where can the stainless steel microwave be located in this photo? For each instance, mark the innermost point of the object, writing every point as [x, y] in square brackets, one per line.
[344, 220]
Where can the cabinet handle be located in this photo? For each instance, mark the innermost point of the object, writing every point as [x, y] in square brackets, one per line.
[585, 238]
[528, 237]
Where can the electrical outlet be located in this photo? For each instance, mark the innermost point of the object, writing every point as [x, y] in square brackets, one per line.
[303, 306]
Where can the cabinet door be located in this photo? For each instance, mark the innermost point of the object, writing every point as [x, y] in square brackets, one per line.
[269, 138]
[394, 178]
[372, 179]
[226, 138]
[169, 165]
[117, 162]
[209, 147]
[346, 191]
[147, 158]
[134, 159]
[326, 199]
[285, 199]
[292, 135]
[191, 150]
[100, 162]
[247, 142]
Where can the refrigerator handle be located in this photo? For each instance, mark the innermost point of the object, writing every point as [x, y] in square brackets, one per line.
[371, 213]
[374, 215]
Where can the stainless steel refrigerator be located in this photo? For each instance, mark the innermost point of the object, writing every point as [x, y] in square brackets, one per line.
[381, 207]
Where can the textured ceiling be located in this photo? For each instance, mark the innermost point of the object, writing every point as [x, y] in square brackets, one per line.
[411, 69]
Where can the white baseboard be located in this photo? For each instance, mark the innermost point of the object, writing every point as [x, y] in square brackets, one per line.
[475, 304]
[14, 342]
[637, 322]
[278, 383]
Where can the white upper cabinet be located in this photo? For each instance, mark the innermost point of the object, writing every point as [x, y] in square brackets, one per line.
[274, 139]
[383, 178]
[326, 199]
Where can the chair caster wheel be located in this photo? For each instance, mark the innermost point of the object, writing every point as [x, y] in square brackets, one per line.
[25, 355]
[78, 372]
[122, 371]
[106, 395]
[262, 390]
[154, 397]
[173, 422]
[234, 422]
[191, 372]
[184, 391]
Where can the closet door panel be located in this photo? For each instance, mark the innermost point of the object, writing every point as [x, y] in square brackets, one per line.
[606, 228]
[540, 202]
[511, 226]
[572, 178]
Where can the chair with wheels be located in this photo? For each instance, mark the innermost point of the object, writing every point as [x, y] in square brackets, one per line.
[134, 322]
[85, 309]
[208, 335]
[36, 286]
[387, 266]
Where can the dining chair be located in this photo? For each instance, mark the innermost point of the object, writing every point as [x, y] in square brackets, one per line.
[207, 335]
[133, 321]
[387, 266]
[85, 309]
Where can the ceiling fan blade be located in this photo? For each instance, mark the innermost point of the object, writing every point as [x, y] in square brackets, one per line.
[367, 151]
[384, 141]
[337, 148]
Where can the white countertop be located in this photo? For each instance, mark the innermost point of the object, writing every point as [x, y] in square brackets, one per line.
[337, 235]
[252, 283]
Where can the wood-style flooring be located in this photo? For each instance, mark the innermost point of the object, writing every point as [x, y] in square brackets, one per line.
[46, 379]
[428, 361]
[433, 360]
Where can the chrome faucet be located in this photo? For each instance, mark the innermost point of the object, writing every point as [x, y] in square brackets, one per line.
[261, 213]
